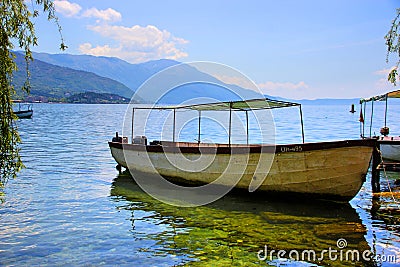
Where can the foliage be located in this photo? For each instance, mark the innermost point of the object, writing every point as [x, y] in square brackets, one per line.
[393, 46]
[97, 98]
[16, 27]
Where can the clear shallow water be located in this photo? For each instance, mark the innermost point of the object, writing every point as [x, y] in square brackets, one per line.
[70, 206]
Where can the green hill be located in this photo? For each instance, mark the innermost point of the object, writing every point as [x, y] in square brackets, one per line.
[55, 83]
[131, 75]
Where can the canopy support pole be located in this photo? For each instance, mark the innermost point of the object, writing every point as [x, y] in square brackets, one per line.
[372, 115]
[361, 121]
[230, 123]
[363, 127]
[302, 123]
[198, 137]
[386, 106]
[173, 126]
[133, 121]
[247, 127]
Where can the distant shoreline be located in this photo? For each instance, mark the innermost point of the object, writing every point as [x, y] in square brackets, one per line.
[100, 98]
[81, 98]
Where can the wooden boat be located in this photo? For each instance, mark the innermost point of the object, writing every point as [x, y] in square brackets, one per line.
[329, 170]
[24, 111]
[389, 145]
[24, 114]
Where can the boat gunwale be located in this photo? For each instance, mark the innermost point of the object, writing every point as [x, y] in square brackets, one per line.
[23, 111]
[388, 142]
[195, 148]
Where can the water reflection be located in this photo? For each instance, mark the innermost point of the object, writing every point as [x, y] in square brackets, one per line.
[234, 229]
[385, 205]
[385, 216]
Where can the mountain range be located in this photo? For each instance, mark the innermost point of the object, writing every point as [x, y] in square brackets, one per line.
[57, 82]
[131, 75]
[59, 77]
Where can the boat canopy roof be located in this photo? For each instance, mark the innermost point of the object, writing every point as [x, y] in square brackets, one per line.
[243, 105]
[392, 94]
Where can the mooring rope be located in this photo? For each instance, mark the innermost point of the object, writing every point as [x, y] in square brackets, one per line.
[387, 179]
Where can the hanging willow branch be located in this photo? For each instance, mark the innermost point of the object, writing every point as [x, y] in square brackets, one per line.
[16, 27]
[393, 47]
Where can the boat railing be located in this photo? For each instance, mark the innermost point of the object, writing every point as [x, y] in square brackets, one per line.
[229, 106]
[363, 112]
[190, 144]
[22, 106]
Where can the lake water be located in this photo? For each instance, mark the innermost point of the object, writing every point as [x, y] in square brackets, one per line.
[71, 207]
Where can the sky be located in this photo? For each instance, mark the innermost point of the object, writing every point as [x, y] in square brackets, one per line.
[302, 49]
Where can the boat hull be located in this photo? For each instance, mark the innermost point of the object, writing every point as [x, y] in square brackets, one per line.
[331, 170]
[25, 114]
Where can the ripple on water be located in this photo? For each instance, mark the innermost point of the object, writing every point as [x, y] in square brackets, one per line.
[69, 206]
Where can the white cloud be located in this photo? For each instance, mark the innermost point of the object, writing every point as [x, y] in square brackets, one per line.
[120, 52]
[384, 72]
[383, 83]
[282, 86]
[67, 8]
[240, 81]
[70, 9]
[285, 89]
[136, 44]
[108, 14]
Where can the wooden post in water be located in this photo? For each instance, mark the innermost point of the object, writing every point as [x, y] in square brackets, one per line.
[375, 177]
[352, 109]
